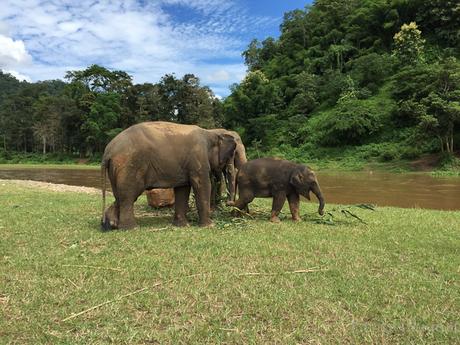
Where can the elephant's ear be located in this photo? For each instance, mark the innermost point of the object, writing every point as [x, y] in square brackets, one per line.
[240, 155]
[297, 180]
[227, 146]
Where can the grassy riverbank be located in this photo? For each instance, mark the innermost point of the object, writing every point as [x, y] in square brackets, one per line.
[379, 158]
[391, 279]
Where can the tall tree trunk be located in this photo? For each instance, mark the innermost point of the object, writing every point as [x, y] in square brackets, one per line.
[44, 144]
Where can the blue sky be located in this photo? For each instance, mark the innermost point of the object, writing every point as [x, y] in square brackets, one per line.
[42, 39]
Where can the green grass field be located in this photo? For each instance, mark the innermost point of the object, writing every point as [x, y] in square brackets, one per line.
[392, 279]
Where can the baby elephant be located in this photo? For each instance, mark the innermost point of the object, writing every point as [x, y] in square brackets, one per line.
[280, 179]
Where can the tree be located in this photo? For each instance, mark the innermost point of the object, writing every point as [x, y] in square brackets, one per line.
[351, 122]
[430, 96]
[99, 79]
[100, 124]
[409, 44]
[47, 121]
[253, 107]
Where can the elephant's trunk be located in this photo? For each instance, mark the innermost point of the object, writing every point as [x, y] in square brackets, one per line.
[317, 191]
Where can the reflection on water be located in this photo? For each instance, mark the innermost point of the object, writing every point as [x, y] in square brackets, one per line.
[402, 190]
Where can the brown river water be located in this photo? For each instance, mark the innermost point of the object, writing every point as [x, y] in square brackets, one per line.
[383, 189]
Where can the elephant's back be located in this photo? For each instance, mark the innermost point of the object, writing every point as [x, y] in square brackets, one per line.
[150, 137]
[164, 129]
[264, 168]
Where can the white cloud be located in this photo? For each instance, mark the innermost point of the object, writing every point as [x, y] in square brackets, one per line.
[12, 52]
[144, 38]
[220, 75]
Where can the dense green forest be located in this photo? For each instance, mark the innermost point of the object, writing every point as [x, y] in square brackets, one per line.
[377, 78]
[80, 116]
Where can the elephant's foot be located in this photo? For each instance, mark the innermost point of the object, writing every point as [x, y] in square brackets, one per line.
[275, 219]
[126, 225]
[108, 225]
[295, 218]
[180, 222]
[207, 224]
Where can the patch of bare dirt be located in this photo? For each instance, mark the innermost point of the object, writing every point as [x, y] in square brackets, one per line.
[51, 186]
[426, 163]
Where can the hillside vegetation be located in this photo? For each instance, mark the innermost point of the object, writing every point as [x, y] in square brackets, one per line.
[371, 80]
[379, 77]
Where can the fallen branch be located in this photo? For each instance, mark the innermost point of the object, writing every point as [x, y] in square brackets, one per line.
[256, 274]
[105, 303]
[96, 267]
[308, 270]
[246, 214]
[71, 282]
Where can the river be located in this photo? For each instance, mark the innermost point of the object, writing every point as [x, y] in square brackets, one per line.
[383, 189]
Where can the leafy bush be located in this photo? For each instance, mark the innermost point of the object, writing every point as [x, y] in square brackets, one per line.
[351, 122]
[389, 155]
[371, 70]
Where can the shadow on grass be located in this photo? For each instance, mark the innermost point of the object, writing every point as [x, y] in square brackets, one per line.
[160, 219]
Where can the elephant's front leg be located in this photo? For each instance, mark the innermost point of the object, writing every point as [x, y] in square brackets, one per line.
[181, 195]
[216, 182]
[278, 201]
[202, 189]
[231, 182]
[294, 201]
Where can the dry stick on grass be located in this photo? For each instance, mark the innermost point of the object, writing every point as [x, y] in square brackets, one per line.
[242, 212]
[106, 302]
[96, 267]
[308, 270]
[71, 282]
[171, 280]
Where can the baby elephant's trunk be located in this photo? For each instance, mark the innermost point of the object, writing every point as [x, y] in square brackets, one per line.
[317, 191]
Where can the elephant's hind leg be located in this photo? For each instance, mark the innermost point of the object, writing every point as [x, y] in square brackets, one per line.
[278, 202]
[126, 198]
[127, 220]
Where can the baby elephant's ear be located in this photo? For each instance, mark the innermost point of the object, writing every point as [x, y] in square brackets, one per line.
[299, 182]
[296, 178]
[311, 176]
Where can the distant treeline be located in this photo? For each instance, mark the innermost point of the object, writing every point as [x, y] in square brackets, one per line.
[81, 115]
[381, 76]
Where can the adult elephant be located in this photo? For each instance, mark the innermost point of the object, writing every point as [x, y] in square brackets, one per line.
[230, 170]
[162, 155]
